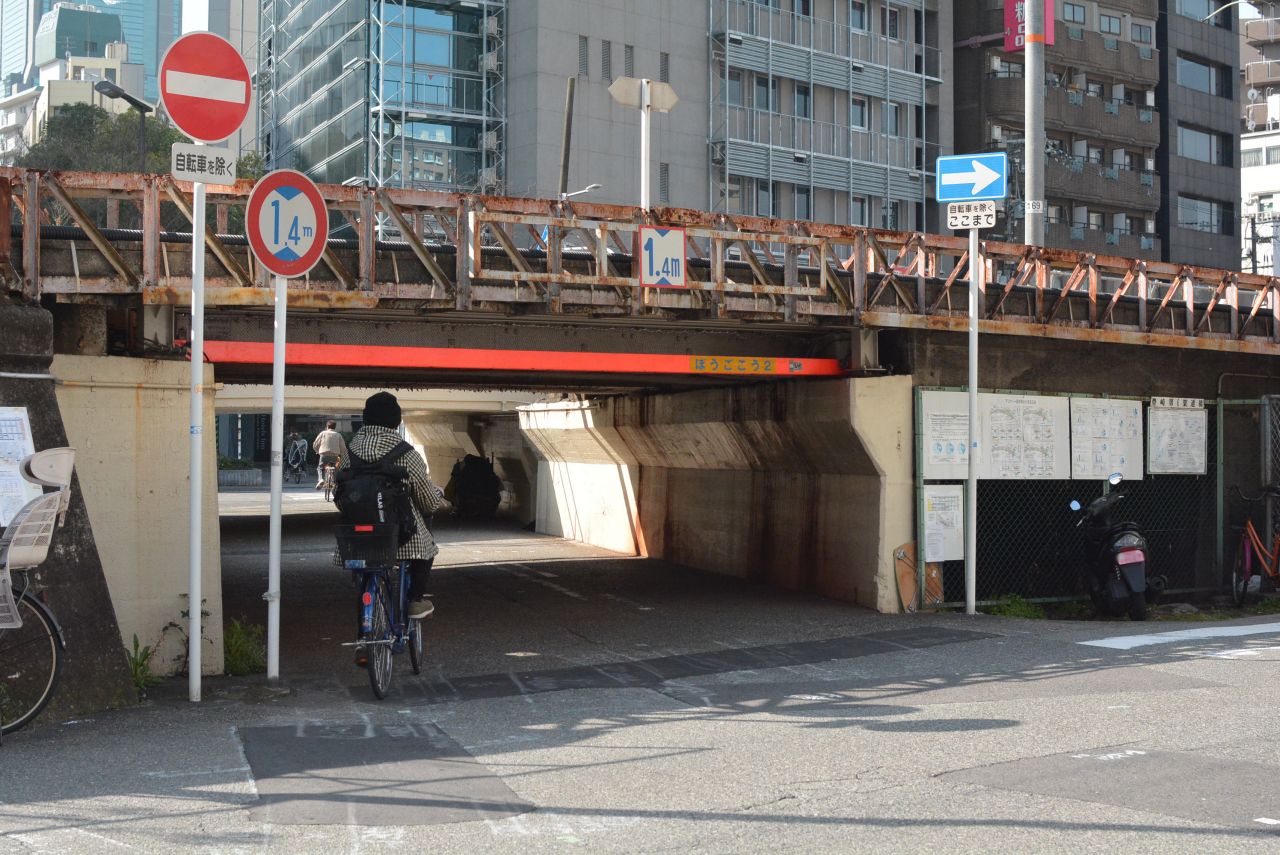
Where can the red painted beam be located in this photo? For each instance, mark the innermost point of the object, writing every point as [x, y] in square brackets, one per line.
[540, 361]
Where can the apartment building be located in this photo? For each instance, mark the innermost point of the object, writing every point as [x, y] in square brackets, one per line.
[825, 109]
[1102, 186]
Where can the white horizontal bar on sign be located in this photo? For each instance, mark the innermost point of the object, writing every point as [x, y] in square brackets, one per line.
[204, 86]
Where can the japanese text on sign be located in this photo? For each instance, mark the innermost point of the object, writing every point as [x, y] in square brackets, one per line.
[743, 365]
[971, 215]
[201, 163]
[1015, 24]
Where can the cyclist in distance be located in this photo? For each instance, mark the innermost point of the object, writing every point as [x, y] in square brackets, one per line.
[296, 454]
[374, 441]
[331, 447]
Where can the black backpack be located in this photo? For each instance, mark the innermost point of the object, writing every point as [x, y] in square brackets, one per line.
[374, 492]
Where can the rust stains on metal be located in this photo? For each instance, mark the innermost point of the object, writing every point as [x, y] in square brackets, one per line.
[297, 299]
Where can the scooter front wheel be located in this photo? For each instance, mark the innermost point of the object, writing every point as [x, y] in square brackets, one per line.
[1137, 605]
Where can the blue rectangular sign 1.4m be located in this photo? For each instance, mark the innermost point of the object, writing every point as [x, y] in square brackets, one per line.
[971, 177]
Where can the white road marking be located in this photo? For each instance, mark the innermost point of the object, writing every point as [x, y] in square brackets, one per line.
[1128, 642]
[204, 86]
[1266, 820]
[1244, 651]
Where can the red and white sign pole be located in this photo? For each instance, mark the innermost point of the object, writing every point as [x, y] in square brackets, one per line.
[205, 89]
[287, 225]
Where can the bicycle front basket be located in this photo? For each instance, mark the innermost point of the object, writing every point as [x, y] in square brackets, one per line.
[373, 544]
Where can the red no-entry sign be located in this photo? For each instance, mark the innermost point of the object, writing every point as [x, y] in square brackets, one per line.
[204, 86]
[286, 223]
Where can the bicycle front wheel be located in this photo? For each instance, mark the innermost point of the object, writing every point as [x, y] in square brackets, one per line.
[380, 650]
[30, 661]
[415, 645]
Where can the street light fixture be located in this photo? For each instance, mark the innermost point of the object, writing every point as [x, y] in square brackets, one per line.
[111, 90]
[589, 188]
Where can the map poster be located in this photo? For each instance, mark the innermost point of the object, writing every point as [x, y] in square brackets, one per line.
[15, 445]
[1177, 440]
[1106, 437]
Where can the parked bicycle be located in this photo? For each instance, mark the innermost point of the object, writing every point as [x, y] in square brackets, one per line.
[31, 642]
[369, 552]
[1254, 568]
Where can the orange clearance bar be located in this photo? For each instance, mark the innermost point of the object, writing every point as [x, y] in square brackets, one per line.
[542, 361]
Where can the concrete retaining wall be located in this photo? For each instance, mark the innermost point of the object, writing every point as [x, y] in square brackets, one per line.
[127, 419]
[802, 485]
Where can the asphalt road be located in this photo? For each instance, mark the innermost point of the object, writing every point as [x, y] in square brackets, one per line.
[579, 700]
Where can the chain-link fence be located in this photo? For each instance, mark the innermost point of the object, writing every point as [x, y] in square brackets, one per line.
[1029, 543]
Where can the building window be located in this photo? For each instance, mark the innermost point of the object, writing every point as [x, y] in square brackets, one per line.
[766, 93]
[733, 194]
[1140, 33]
[802, 101]
[584, 56]
[858, 15]
[1203, 145]
[858, 211]
[766, 198]
[1109, 24]
[858, 112]
[606, 61]
[892, 118]
[1073, 13]
[1204, 215]
[1273, 155]
[1095, 221]
[889, 22]
[1251, 157]
[804, 210]
[1204, 76]
[664, 183]
[1200, 10]
[664, 67]
[629, 60]
[733, 89]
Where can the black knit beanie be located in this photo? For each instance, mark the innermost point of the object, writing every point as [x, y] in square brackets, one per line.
[382, 410]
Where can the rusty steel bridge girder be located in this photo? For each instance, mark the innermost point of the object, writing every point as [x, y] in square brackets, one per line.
[469, 253]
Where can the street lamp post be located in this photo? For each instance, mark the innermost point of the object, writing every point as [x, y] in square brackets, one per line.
[588, 189]
[111, 90]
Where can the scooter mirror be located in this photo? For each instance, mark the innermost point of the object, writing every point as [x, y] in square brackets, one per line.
[1115, 478]
[1075, 504]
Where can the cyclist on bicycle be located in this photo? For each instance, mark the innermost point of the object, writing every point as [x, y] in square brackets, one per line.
[331, 447]
[296, 456]
[375, 441]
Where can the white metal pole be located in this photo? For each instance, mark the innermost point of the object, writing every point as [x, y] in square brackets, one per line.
[971, 487]
[272, 596]
[645, 114]
[195, 600]
[1034, 137]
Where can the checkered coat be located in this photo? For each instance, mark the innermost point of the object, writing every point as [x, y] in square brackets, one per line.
[374, 443]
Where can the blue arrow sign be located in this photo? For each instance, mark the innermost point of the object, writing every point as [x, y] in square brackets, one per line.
[970, 177]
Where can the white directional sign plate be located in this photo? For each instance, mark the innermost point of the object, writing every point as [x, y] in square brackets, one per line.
[971, 177]
[971, 215]
[662, 257]
[202, 163]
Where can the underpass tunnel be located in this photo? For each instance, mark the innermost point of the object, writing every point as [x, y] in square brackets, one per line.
[799, 485]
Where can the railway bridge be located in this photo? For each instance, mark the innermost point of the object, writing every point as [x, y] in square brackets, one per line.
[759, 422]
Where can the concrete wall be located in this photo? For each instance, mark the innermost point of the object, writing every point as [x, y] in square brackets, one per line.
[127, 419]
[806, 486]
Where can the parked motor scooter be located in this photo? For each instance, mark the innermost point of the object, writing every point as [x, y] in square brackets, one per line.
[1117, 573]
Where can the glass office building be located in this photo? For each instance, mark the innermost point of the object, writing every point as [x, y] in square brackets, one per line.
[397, 94]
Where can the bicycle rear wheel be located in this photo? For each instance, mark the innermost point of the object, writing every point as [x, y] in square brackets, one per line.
[30, 661]
[415, 645]
[1242, 576]
[380, 650]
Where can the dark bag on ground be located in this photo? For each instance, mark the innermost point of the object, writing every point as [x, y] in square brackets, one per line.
[375, 492]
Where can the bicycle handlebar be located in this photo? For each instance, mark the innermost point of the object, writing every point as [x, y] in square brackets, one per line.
[1270, 491]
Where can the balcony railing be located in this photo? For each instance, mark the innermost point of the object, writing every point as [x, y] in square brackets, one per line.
[777, 25]
[823, 138]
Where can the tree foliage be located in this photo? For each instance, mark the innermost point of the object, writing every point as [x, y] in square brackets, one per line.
[88, 138]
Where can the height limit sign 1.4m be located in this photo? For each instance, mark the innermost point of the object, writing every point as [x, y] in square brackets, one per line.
[661, 257]
[287, 223]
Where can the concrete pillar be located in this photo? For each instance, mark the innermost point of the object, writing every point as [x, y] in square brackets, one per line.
[128, 418]
[807, 486]
[95, 672]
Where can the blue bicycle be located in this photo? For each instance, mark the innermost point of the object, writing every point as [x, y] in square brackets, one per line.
[369, 552]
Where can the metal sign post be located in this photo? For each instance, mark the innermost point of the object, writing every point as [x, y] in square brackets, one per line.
[972, 183]
[205, 89]
[646, 95]
[287, 225]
